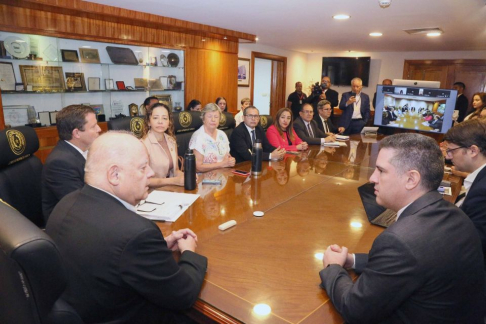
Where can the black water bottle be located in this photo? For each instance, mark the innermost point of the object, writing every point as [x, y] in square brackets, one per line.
[257, 158]
[189, 170]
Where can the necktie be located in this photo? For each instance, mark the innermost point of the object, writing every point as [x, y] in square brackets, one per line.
[460, 197]
[311, 134]
[326, 127]
[253, 137]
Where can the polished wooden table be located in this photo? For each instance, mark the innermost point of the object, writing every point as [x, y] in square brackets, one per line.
[310, 201]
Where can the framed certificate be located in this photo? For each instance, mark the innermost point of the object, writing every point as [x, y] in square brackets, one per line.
[93, 84]
[7, 77]
[42, 78]
[109, 84]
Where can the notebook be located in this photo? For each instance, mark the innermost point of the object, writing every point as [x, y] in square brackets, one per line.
[377, 214]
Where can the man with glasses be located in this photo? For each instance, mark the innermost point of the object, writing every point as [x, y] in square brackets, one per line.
[245, 135]
[323, 119]
[306, 128]
[466, 148]
[356, 108]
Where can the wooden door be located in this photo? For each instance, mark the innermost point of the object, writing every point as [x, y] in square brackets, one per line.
[428, 72]
[473, 76]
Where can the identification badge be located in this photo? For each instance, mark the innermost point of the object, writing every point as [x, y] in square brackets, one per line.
[300, 102]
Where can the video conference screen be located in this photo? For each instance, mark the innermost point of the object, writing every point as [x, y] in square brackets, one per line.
[422, 109]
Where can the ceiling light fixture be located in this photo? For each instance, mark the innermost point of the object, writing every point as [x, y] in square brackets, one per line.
[225, 37]
[376, 34]
[204, 39]
[384, 3]
[434, 34]
[256, 38]
[341, 17]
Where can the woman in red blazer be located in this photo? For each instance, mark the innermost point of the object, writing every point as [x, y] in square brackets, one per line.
[282, 134]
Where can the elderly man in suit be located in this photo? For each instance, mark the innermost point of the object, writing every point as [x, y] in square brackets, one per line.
[244, 135]
[306, 128]
[323, 118]
[427, 267]
[120, 267]
[63, 171]
[356, 108]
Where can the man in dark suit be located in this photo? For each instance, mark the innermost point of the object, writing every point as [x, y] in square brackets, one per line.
[63, 171]
[306, 128]
[427, 267]
[323, 118]
[243, 137]
[462, 104]
[119, 266]
[466, 147]
[326, 93]
[356, 108]
[386, 82]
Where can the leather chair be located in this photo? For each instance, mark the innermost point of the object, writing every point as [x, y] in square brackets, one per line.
[20, 172]
[131, 124]
[227, 123]
[265, 121]
[185, 124]
[31, 274]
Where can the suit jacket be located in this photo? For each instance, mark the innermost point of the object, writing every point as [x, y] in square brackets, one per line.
[302, 131]
[462, 104]
[347, 115]
[332, 128]
[63, 173]
[474, 206]
[158, 158]
[425, 268]
[240, 143]
[118, 264]
[331, 96]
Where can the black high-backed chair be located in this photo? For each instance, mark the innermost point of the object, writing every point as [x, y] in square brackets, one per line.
[131, 124]
[20, 172]
[227, 123]
[265, 121]
[185, 124]
[31, 274]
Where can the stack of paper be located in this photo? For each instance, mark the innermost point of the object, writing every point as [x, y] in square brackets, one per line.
[342, 137]
[335, 144]
[165, 206]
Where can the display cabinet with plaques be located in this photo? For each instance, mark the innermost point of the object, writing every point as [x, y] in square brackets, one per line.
[49, 73]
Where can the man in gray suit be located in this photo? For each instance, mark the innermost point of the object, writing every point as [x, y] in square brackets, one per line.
[427, 266]
[306, 127]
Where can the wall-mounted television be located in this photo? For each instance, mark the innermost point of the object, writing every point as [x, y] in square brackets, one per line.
[342, 70]
[421, 109]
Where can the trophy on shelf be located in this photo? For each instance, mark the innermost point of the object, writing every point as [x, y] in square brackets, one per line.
[70, 83]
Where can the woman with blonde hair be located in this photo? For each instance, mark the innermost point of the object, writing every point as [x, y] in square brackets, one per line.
[160, 141]
[282, 133]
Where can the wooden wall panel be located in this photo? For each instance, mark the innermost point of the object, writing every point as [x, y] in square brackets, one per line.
[211, 74]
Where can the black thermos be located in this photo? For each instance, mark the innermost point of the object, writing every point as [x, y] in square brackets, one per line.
[257, 158]
[189, 170]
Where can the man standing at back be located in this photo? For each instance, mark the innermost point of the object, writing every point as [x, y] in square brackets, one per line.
[120, 267]
[462, 104]
[296, 99]
[63, 171]
[427, 267]
[356, 108]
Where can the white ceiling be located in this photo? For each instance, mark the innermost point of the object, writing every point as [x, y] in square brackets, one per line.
[307, 25]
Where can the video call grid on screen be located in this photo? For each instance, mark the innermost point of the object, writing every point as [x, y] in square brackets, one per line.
[415, 108]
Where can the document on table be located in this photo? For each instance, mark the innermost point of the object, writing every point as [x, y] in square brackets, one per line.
[165, 206]
[335, 144]
[342, 137]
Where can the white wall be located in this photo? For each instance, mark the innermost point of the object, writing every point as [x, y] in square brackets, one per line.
[296, 66]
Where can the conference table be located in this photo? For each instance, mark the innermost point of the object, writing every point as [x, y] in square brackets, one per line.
[310, 200]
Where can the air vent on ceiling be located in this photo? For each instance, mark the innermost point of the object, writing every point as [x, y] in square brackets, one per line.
[416, 31]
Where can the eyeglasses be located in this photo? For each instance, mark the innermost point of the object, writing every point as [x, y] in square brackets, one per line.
[327, 109]
[308, 112]
[253, 116]
[449, 151]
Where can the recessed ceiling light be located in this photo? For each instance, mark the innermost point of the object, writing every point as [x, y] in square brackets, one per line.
[341, 17]
[376, 34]
[204, 39]
[434, 34]
[225, 37]
[256, 38]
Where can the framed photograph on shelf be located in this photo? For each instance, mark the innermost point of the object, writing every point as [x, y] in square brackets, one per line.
[109, 84]
[75, 81]
[93, 84]
[243, 72]
[166, 99]
[171, 81]
[42, 78]
[89, 55]
[120, 85]
[69, 55]
[7, 77]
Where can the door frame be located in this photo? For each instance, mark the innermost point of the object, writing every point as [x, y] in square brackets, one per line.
[270, 57]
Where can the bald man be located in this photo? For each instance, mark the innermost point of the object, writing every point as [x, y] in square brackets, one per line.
[120, 268]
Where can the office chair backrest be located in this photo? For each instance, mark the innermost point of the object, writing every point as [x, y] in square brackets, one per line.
[266, 121]
[131, 124]
[227, 123]
[31, 273]
[185, 124]
[20, 172]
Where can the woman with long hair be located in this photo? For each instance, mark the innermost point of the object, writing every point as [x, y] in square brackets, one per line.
[221, 102]
[160, 141]
[478, 103]
[282, 134]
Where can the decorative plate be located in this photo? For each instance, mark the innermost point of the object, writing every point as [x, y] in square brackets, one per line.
[173, 59]
[17, 47]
